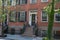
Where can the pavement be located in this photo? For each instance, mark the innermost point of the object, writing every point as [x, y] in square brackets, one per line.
[20, 37]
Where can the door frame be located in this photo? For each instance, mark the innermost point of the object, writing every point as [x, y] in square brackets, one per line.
[30, 15]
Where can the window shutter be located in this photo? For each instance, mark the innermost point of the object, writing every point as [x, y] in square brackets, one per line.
[25, 1]
[19, 2]
[18, 16]
[25, 16]
[15, 16]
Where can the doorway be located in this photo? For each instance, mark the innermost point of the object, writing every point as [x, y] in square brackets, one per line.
[32, 18]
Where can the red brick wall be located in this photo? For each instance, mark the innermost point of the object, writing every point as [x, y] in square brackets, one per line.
[27, 7]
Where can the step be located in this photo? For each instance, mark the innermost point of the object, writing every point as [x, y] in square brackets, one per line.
[28, 32]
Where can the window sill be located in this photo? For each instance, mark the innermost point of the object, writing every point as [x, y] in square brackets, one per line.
[33, 3]
[21, 21]
[57, 21]
[44, 2]
[44, 21]
[12, 21]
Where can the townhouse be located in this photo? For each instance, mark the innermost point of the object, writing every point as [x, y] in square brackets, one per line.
[31, 11]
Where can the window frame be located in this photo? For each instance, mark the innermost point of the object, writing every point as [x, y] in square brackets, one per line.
[55, 17]
[5, 3]
[44, 1]
[58, 0]
[19, 14]
[15, 16]
[13, 1]
[31, 2]
[21, 2]
[42, 18]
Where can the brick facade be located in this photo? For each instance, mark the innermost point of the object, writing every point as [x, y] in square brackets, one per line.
[38, 6]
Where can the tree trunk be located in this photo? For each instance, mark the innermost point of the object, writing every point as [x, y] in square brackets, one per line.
[50, 22]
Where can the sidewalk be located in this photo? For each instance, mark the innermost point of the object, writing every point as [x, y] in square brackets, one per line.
[19, 37]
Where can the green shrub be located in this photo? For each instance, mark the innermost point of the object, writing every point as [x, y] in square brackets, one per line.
[45, 38]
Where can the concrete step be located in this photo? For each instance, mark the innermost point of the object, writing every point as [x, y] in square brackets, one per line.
[28, 32]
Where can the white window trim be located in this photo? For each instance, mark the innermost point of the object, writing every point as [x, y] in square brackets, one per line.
[55, 18]
[44, 1]
[31, 16]
[23, 13]
[41, 18]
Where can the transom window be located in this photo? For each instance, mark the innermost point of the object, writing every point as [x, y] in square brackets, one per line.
[57, 17]
[33, 1]
[44, 0]
[44, 16]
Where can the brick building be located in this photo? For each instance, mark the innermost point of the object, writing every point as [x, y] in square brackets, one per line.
[31, 11]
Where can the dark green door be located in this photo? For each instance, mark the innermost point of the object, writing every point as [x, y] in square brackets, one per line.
[33, 19]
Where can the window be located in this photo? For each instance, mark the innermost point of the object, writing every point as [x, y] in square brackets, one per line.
[8, 2]
[22, 16]
[17, 1]
[33, 1]
[23, 1]
[13, 2]
[44, 16]
[57, 17]
[5, 3]
[58, 0]
[44, 0]
[13, 15]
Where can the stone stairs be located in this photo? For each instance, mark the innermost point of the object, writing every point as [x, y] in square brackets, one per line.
[28, 31]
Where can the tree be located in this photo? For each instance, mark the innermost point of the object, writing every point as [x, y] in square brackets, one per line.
[50, 21]
[50, 9]
[3, 13]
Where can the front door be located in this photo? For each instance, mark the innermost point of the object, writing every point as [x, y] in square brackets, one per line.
[33, 19]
